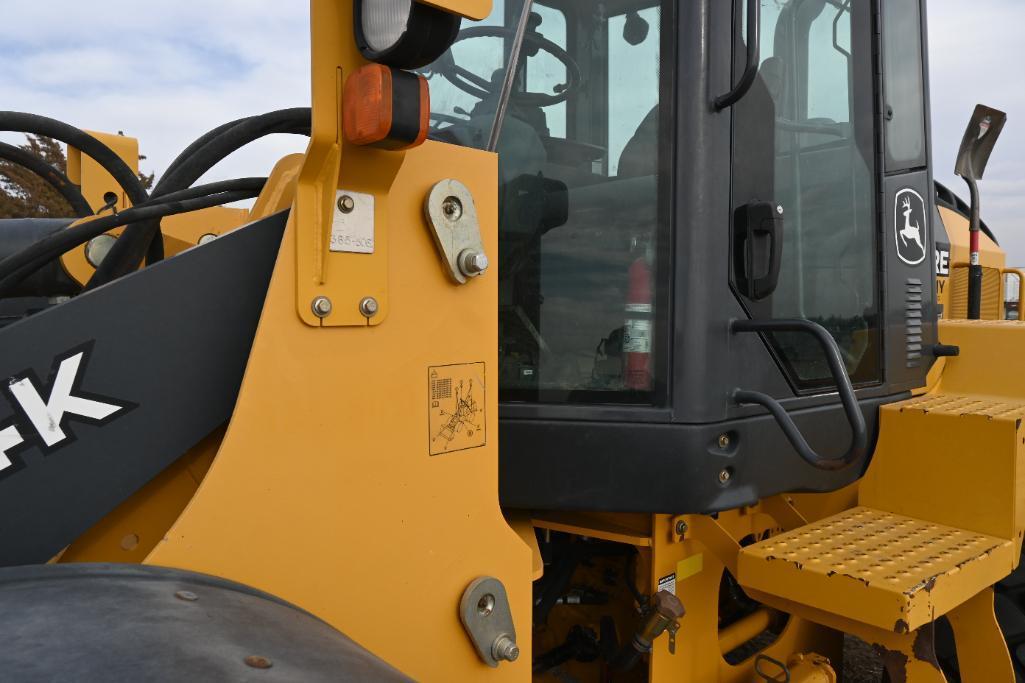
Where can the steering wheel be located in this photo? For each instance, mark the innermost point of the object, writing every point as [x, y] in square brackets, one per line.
[445, 118]
[483, 88]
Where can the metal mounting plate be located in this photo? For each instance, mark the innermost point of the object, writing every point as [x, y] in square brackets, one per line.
[487, 618]
[452, 217]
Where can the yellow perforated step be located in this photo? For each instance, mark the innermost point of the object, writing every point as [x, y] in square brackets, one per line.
[883, 569]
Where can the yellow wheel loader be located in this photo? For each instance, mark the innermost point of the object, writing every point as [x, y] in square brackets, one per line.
[604, 341]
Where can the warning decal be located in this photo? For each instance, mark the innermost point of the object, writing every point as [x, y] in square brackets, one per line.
[456, 401]
[668, 583]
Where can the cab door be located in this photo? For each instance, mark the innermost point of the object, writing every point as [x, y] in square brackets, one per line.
[806, 179]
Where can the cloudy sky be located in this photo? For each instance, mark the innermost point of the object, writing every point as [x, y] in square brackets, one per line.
[166, 71]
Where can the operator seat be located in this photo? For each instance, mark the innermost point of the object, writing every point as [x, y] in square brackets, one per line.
[640, 155]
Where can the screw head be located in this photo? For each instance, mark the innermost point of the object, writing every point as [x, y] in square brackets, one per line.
[187, 596]
[473, 263]
[724, 441]
[779, 209]
[486, 605]
[321, 307]
[346, 204]
[258, 662]
[725, 476]
[452, 208]
[681, 528]
[369, 307]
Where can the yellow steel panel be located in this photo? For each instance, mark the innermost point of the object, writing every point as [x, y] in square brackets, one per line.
[939, 455]
[690, 566]
[324, 491]
[131, 530]
[991, 362]
[890, 571]
[992, 307]
[471, 9]
[94, 179]
[990, 256]
[981, 650]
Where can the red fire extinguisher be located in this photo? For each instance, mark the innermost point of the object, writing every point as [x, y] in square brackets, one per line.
[637, 374]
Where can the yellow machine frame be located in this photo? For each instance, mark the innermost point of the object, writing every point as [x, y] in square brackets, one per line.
[324, 489]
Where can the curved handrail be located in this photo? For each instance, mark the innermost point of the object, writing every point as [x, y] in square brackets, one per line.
[747, 79]
[859, 433]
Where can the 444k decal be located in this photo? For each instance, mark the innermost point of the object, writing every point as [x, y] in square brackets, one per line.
[43, 412]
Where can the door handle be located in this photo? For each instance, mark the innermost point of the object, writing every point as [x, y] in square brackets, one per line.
[757, 248]
[747, 79]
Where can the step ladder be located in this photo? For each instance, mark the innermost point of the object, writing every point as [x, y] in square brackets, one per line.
[940, 519]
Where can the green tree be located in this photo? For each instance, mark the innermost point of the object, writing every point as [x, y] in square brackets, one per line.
[23, 194]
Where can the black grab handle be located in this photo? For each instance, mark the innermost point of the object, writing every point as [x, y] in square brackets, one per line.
[747, 79]
[859, 434]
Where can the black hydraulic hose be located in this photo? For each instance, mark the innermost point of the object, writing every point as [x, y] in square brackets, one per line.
[18, 266]
[51, 175]
[128, 252]
[199, 143]
[302, 127]
[19, 122]
[253, 185]
[231, 140]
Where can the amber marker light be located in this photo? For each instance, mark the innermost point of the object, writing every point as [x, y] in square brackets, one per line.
[386, 107]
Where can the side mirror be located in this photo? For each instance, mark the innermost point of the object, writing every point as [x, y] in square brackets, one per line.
[979, 139]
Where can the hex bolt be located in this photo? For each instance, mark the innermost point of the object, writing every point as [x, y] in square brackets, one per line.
[505, 649]
[346, 204]
[724, 441]
[681, 528]
[187, 596]
[321, 307]
[473, 263]
[369, 307]
[725, 476]
[452, 208]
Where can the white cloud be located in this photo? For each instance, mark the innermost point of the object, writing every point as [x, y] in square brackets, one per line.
[166, 71]
[976, 52]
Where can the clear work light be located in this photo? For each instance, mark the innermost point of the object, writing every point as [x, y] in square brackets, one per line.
[402, 33]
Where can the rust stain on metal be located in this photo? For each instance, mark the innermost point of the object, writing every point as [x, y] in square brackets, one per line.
[924, 647]
[896, 664]
[773, 558]
[927, 585]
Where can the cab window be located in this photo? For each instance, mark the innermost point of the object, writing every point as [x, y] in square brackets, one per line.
[583, 210]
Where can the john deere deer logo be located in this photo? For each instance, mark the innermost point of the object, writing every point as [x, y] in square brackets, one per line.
[909, 227]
